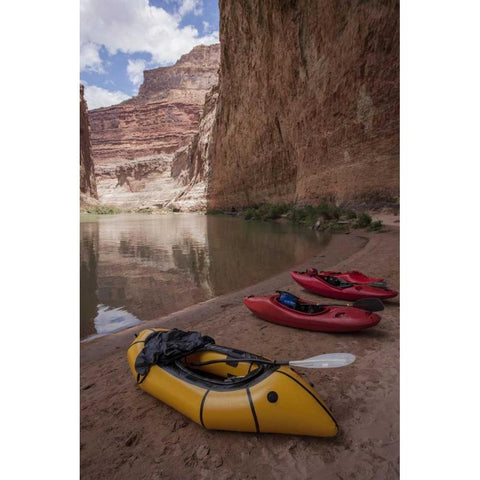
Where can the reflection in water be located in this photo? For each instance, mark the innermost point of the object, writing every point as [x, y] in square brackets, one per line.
[243, 253]
[88, 277]
[137, 267]
[110, 320]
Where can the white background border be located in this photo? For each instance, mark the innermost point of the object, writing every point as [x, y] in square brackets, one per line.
[440, 181]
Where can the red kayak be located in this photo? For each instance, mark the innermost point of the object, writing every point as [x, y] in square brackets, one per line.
[310, 316]
[331, 284]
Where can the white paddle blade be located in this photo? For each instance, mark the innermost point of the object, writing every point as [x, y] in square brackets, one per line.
[327, 360]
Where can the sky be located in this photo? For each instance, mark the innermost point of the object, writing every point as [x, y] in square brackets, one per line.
[119, 39]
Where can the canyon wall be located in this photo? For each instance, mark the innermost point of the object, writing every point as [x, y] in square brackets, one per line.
[134, 142]
[191, 165]
[308, 103]
[88, 186]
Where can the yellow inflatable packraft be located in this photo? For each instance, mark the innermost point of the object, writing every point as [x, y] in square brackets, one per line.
[235, 395]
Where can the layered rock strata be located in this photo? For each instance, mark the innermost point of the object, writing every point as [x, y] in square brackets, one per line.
[308, 103]
[88, 186]
[133, 142]
[141, 183]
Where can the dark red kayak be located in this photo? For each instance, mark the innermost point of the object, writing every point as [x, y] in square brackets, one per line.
[310, 316]
[332, 285]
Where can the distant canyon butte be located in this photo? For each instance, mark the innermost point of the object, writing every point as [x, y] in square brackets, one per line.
[299, 103]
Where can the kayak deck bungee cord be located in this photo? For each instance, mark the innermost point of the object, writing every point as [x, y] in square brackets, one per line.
[237, 394]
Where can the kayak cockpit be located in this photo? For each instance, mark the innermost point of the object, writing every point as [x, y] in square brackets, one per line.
[291, 301]
[220, 368]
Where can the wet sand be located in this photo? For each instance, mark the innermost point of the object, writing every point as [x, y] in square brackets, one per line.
[126, 434]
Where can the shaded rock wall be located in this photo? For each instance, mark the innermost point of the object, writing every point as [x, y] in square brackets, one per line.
[88, 186]
[190, 166]
[308, 103]
[130, 138]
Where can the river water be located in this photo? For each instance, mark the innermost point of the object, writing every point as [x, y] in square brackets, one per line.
[139, 267]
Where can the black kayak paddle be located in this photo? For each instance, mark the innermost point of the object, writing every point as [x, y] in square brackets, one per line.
[370, 304]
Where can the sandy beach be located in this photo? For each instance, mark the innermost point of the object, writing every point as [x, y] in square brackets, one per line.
[127, 434]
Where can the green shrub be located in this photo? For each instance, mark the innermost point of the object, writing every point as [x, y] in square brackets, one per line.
[309, 214]
[349, 214]
[338, 228]
[266, 212]
[295, 215]
[377, 225]
[329, 211]
[272, 212]
[103, 210]
[276, 211]
[363, 220]
[249, 212]
[306, 214]
[214, 212]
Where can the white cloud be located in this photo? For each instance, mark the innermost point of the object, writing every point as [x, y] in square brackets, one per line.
[195, 6]
[135, 70]
[90, 58]
[97, 97]
[132, 26]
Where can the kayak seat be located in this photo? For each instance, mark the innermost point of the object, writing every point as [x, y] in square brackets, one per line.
[336, 282]
[308, 307]
[291, 301]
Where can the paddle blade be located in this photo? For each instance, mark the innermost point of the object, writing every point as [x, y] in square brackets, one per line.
[370, 304]
[327, 360]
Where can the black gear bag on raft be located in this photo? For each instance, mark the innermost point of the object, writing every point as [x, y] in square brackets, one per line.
[165, 348]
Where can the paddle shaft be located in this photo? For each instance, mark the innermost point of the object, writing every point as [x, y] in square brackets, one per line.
[370, 304]
[327, 360]
[237, 360]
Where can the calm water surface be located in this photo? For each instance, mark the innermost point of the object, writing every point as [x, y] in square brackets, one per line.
[139, 267]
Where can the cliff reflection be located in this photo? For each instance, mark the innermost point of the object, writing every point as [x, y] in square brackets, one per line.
[88, 278]
[246, 252]
[137, 267]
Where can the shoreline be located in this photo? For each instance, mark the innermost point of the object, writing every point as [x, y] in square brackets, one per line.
[335, 249]
[125, 433]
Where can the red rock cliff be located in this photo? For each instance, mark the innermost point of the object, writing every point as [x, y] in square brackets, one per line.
[162, 117]
[133, 142]
[308, 103]
[88, 186]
